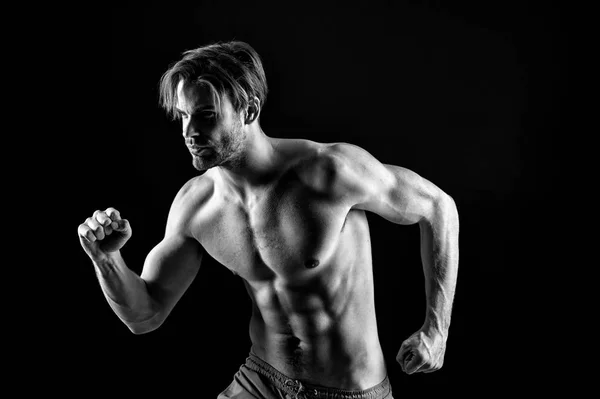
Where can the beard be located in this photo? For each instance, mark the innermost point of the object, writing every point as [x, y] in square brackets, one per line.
[226, 151]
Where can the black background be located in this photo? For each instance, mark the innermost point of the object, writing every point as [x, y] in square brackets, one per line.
[467, 94]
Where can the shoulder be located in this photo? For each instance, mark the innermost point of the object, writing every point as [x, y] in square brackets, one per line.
[196, 190]
[341, 169]
[309, 160]
[190, 199]
[337, 157]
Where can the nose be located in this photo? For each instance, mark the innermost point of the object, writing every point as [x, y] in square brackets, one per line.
[189, 131]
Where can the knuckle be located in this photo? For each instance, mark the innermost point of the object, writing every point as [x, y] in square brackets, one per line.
[112, 212]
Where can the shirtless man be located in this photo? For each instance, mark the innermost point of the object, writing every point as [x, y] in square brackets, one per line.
[288, 217]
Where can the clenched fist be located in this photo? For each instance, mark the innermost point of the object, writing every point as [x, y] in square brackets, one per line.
[103, 233]
[422, 353]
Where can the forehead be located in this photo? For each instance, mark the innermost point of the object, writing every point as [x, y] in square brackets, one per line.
[192, 95]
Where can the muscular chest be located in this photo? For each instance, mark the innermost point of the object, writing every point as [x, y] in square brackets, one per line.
[288, 231]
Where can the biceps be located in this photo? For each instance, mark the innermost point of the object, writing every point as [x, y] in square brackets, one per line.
[408, 199]
[170, 268]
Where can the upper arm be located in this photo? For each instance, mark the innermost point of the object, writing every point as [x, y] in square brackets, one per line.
[393, 192]
[172, 265]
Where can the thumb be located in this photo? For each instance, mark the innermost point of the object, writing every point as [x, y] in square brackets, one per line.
[122, 225]
[413, 362]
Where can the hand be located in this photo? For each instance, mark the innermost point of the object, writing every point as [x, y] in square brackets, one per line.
[422, 352]
[103, 233]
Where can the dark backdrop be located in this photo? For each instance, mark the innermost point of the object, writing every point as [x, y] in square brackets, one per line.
[465, 94]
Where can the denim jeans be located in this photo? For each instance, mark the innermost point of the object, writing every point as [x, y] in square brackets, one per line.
[258, 379]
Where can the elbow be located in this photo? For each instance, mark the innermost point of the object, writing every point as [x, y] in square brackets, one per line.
[444, 213]
[146, 326]
[447, 200]
[451, 212]
[450, 205]
[138, 329]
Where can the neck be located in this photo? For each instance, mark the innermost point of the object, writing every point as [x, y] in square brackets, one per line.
[255, 165]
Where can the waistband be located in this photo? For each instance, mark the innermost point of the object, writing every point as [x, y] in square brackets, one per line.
[302, 390]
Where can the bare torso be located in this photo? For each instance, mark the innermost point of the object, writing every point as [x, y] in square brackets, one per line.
[306, 262]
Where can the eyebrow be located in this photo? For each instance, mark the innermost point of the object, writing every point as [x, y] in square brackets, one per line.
[195, 109]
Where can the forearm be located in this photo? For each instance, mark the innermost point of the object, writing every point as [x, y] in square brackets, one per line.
[127, 294]
[439, 255]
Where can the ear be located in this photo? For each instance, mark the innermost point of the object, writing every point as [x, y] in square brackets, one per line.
[253, 110]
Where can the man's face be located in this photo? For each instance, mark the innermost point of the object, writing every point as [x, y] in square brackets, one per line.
[211, 139]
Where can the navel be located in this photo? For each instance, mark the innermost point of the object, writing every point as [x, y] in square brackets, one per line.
[311, 263]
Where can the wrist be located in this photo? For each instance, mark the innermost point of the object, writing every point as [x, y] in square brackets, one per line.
[435, 327]
[106, 263]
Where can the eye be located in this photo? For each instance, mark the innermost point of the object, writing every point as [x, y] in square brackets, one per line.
[208, 115]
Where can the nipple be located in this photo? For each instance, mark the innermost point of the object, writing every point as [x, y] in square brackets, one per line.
[311, 263]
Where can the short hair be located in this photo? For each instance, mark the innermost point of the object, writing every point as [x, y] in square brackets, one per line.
[233, 68]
